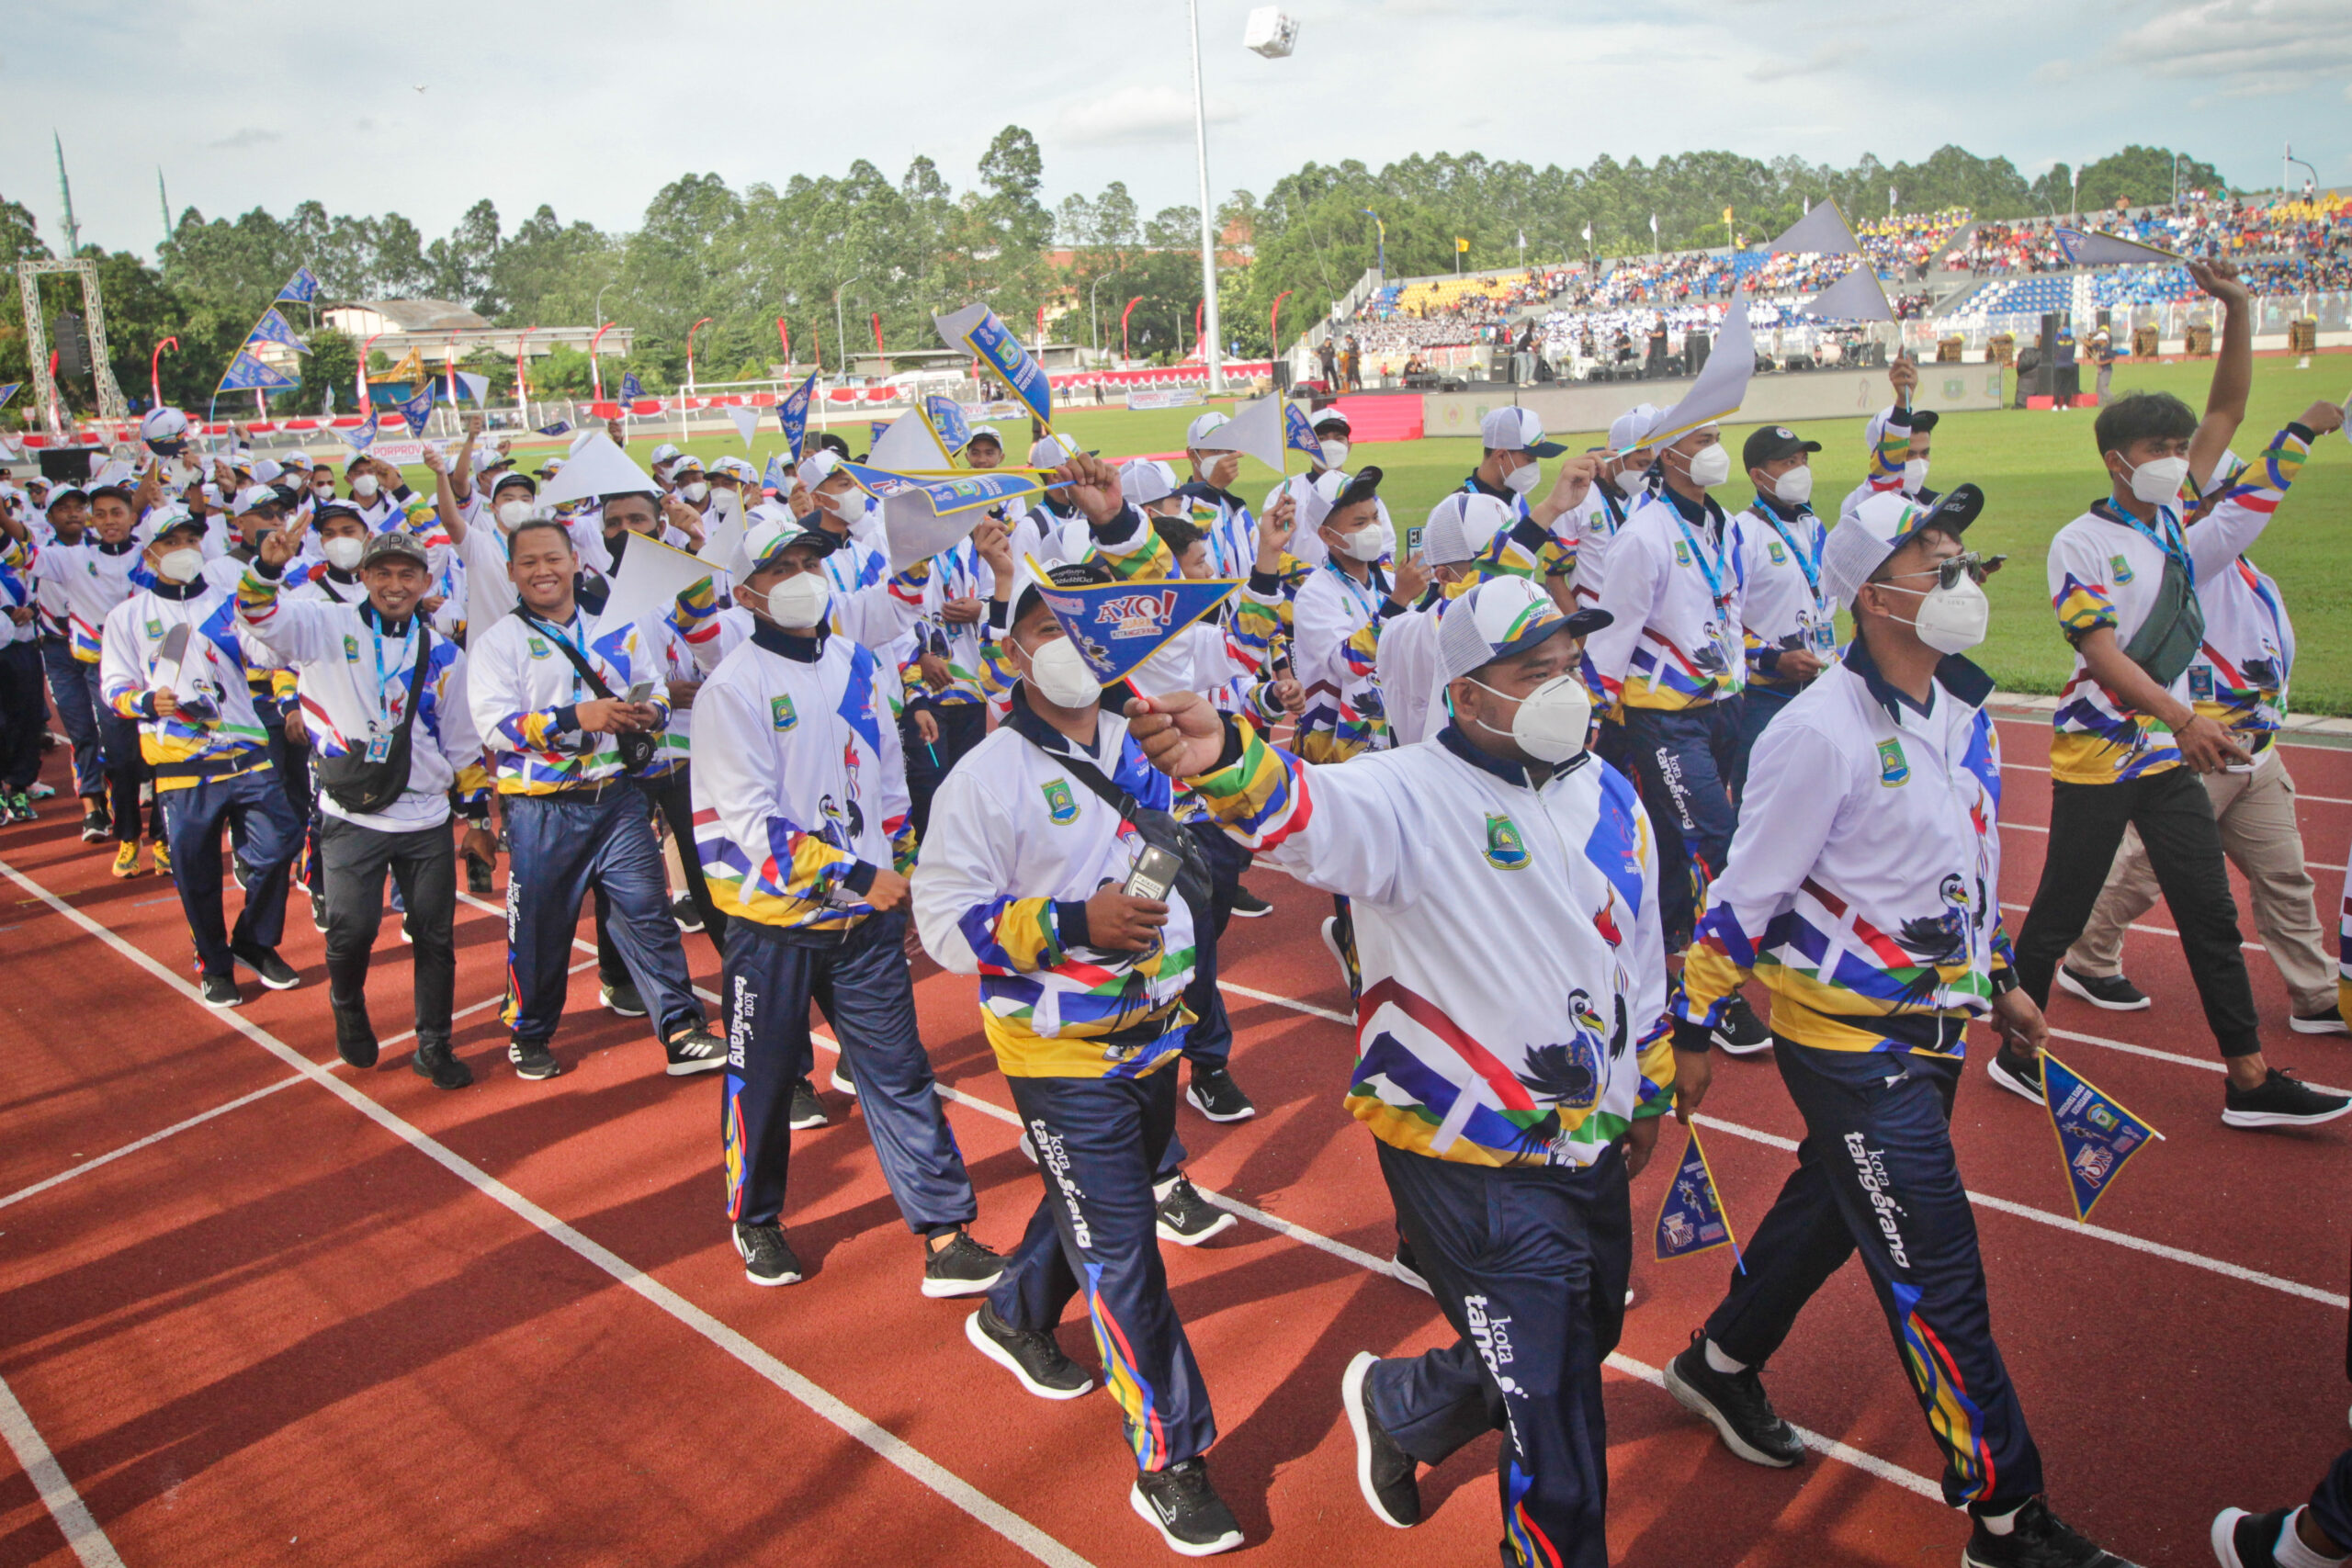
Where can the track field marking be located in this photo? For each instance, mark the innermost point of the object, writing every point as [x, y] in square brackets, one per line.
[66, 1506]
[920, 1467]
[2151, 930]
[2315, 799]
[2030, 828]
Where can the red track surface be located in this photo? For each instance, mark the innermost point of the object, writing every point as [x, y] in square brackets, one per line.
[356, 1321]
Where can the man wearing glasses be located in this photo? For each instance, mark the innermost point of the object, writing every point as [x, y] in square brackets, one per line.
[1863, 889]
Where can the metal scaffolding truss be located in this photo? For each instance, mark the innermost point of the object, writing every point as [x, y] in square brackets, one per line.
[111, 405]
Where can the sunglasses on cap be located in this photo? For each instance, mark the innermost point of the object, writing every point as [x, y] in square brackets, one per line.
[1947, 570]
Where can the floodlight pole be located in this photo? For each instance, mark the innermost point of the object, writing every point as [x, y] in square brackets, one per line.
[1211, 347]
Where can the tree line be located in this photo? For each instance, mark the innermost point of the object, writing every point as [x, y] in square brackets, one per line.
[820, 251]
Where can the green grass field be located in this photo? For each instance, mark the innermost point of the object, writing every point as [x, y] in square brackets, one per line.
[2038, 470]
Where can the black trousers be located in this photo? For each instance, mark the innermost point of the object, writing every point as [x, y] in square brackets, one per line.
[673, 796]
[962, 726]
[424, 868]
[2175, 816]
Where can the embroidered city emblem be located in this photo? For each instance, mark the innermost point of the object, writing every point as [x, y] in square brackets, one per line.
[1060, 803]
[1893, 767]
[1505, 848]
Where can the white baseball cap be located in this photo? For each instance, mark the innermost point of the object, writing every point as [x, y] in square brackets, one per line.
[665, 452]
[1630, 430]
[1516, 430]
[1464, 527]
[818, 466]
[253, 498]
[1205, 425]
[1881, 526]
[1501, 616]
[771, 537]
[989, 431]
[1145, 479]
[1051, 451]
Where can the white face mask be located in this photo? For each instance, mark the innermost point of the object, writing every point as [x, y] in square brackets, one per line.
[1914, 476]
[343, 553]
[364, 486]
[513, 514]
[1060, 674]
[693, 491]
[2158, 482]
[1793, 488]
[323, 490]
[180, 565]
[1370, 543]
[1335, 454]
[1952, 620]
[722, 500]
[1523, 478]
[799, 602]
[849, 505]
[1709, 467]
[1552, 720]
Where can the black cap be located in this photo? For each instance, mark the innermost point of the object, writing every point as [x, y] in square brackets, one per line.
[1362, 485]
[1584, 623]
[1924, 420]
[1954, 511]
[1770, 443]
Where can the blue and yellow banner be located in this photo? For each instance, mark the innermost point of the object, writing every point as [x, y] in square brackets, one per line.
[275, 328]
[1298, 436]
[561, 427]
[8, 391]
[975, 328]
[303, 288]
[247, 373]
[1691, 1219]
[2095, 1135]
[359, 440]
[417, 409]
[631, 388]
[776, 479]
[793, 414]
[949, 495]
[1117, 625]
[946, 417]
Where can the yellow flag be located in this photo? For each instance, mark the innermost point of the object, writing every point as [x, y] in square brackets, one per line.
[1461, 245]
[1726, 214]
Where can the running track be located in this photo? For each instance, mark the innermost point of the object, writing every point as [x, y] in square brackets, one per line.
[256, 1309]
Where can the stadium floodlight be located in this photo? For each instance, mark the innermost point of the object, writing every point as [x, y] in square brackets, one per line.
[1271, 33]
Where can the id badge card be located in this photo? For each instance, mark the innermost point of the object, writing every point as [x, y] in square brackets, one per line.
[380, 748]
[1825, 636]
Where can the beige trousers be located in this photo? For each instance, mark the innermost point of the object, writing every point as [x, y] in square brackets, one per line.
[2256, 812]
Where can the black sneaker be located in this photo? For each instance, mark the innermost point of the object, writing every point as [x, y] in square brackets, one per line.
[1733, 1403]
[1248, 906]
[621, 997]
[2249, 1540]
[1184, 1508]
[532, 1059]
[696, 1051]
[767, 1256]
[683, 914]
[355, 1037]
[1407, 1267]
[1385, 1472]
[1740, 1031]
[1030, 1355]
[272, 970]
[1215, 1095]
[478, 878]
[962, 1267]
[2280, 1101]
[2328, 1021]
[808, 1111]
[842, 1081]
[219, 991]
[97, 827]
[238, 870]
[1188, 1219]
[2112, 992]
[434, 1060]
[2021, 1076]
[2037, 1538]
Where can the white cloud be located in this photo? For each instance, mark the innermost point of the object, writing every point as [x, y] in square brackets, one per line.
[1127, 115]
[248, 136]
[2244, 47]
[1828, 58]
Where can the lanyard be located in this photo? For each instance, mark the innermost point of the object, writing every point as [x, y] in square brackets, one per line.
[1361, 594]
[389, 710]
[1711, 571]
[581, 643]
[1810, 565]
[2171, 541]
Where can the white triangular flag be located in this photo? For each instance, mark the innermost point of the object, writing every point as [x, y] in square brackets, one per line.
[596, 468]
[1721, 387]
[1255, 429]
[723, 543]
[476, 387]
[909, 445]
[2108, 250]
[1821, 230]
[1857, 297]
[650, 576]
[747, 424]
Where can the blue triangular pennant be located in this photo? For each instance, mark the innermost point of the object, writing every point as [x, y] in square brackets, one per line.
[561, 427]
[303, 288]
[1117, 625]
[247, 373]
[793, 414]
[1691, 1219]
[976, 329]
[359, 440]
[630, 389]
[945, 416]
[2096, 1135]
[275, 328]
[417, 409]
[777, 477]
[1298, 436]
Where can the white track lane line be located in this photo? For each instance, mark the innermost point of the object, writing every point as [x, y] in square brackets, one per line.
[66, 1506]
[2150, 930]
[920, 1467]
[2030, 828]
[2315, 799]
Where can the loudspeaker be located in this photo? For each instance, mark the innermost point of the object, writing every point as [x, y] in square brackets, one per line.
[1695, 349]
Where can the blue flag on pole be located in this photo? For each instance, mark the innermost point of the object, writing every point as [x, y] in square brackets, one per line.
[2095, 1135]
[1298, 436]
[630, 389]
[1691, 1219]
[793, 414]
[359, 440]
[873, 429]
[561, 427]
[945, 416]
[776, 479]
[275, 328]
[303, 288]
[1117, 625]
[417, 409]
[975, 330]
[8, 391]
[247, 373]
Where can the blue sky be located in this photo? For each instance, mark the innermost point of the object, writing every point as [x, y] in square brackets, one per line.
[591, 105]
